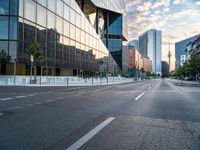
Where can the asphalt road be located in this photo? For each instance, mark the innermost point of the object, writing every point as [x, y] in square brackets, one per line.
[148, 115]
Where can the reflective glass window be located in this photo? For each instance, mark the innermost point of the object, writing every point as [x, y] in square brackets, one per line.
[13, 49]
[41, 36]
[30, 10]
[72, 16]
[41, 15]
[59, 9]
[13, 7]
[72, 31]
[66, 28]
[29, 31]
[4, 46]
[13, 28]
[51, 5]
[42, 2]
[3, 27]
[21, 8]
[4, 7]
[59, 25]
[51, 20]
[66, 12]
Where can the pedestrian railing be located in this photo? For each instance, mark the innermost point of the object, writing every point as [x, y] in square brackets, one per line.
[60, 81]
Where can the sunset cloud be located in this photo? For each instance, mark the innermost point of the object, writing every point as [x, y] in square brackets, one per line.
[177, 19]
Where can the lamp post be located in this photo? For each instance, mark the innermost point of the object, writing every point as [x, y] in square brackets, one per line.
[32, 59]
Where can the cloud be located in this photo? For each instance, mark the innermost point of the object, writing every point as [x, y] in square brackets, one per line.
[177, 19]
[198, 3]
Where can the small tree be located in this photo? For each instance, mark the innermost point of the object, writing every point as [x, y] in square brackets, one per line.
[193, 64]
[4, 57]
[35, 50]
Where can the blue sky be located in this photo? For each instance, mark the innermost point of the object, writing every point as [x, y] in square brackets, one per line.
[177, 19]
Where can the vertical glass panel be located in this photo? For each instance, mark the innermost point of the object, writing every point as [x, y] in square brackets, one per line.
[72, 31]
[41, 36]
[13, 49]
[14, 7]
[4, 7]
[30, 10]
[66, 12]
[4, 46]
[51, 5]
[72, 16]
[66, 28]
[3, 27]
[21, 8]
[41, 15]
[51, 20]
[42, 2]
[59, 9]
[59, 25]
[13, 28]
[29, 32]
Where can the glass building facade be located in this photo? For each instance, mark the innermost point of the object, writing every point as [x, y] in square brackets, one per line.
[71, 43]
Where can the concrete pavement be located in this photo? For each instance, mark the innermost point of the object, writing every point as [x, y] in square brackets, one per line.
[154, 114]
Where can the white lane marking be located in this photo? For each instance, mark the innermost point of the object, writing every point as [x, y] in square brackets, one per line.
[139, 96]
[5, 99]
[32, 94]
[149, 88]
[22, 96]
[13, 108]
[90, 134]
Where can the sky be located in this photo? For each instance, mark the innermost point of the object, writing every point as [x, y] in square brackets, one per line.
[177, 19]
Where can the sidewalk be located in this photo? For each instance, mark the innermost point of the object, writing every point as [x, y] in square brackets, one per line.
[188, 83]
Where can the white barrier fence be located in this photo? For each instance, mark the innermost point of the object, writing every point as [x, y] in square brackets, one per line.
[60, 81]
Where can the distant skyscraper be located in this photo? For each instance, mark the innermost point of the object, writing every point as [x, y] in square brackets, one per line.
[180, 50]
[134, 43]
[150, 46]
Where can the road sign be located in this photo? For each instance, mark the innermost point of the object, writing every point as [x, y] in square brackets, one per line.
[198, 77]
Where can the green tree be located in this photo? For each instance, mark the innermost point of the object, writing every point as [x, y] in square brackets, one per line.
[148, 74]
[4, 57]
[35, 50]
[192, 65]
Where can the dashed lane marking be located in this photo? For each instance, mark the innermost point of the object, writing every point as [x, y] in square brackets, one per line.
[139, 96]
[22, 96]
[90, 134]
[149, 88]
[5, 99]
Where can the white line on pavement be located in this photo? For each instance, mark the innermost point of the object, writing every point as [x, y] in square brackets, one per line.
[13, 108]
[5, 99]
[139, 96]
[149, 88]
[22, 96]
[90, 134]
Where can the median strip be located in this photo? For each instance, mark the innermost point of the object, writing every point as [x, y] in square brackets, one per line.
[90, 134]
[139, 96]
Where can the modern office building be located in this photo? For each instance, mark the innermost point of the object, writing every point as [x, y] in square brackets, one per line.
[134, 43]
[76, 36]
[165, 69]
[137, 62]
[150, 45]
[180, 50]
